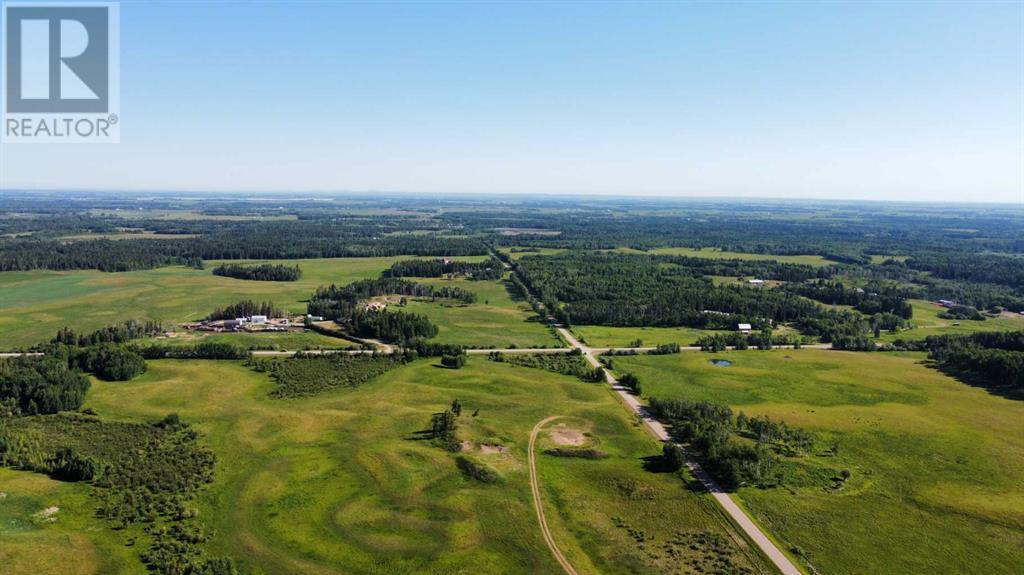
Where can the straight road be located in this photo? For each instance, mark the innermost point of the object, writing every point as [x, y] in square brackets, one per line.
[658, 430]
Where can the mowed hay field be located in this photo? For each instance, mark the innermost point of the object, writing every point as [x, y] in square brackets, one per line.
[342, 483]
[937, 466]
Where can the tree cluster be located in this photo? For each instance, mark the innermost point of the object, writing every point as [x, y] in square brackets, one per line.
[490, 269]
[247, 308]
[259, 272]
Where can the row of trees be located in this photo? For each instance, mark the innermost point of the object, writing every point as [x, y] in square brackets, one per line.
[765, 339]
[121, 333]
[247, 308]
[370, 288]
[259, 272]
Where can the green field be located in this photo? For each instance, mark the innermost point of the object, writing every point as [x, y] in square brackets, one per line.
[497, 319]
[926, 322]
[936, 465]
[36, 304]
[610, 336]
[539, 252]
[718, 254]
[339, 483]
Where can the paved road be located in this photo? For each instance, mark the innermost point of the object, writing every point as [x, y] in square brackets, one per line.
[538, 504]
[658, 430]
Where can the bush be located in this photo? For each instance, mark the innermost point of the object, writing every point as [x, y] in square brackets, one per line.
[474, 470]
[673, 456]
[453, 361]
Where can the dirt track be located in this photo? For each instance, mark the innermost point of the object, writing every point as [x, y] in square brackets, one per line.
[539, 505]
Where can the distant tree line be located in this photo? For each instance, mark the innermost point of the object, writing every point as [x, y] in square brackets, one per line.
[228, 241]
[259, 272]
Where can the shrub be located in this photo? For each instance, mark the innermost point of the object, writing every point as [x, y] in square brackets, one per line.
[474, 470]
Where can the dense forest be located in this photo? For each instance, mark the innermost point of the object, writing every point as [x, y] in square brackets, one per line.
[259, 272]
[639, 290]
[34, 385]
[490, 269]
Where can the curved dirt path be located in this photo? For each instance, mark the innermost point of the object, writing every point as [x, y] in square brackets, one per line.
[539, 505]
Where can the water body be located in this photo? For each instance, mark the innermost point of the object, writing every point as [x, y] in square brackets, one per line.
[721, 362]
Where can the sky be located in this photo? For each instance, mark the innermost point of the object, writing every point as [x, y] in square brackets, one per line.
[864, 100]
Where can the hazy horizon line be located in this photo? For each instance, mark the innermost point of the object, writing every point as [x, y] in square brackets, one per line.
[291, 194]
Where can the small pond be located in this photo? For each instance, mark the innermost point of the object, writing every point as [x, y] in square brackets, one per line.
[721, 362]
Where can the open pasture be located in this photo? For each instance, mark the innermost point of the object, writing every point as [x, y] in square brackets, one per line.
[344, 482]
[926, 322]
[936, 465]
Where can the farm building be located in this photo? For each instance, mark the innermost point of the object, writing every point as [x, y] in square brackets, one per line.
[258, 319]
[743, 327]
[755, 282]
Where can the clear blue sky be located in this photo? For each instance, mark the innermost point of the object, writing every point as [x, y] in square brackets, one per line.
[868, 100]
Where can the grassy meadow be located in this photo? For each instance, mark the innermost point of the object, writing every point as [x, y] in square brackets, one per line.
[499, 318]
[612, 336]
[342, 482]
[936, 465]
[926, 322]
